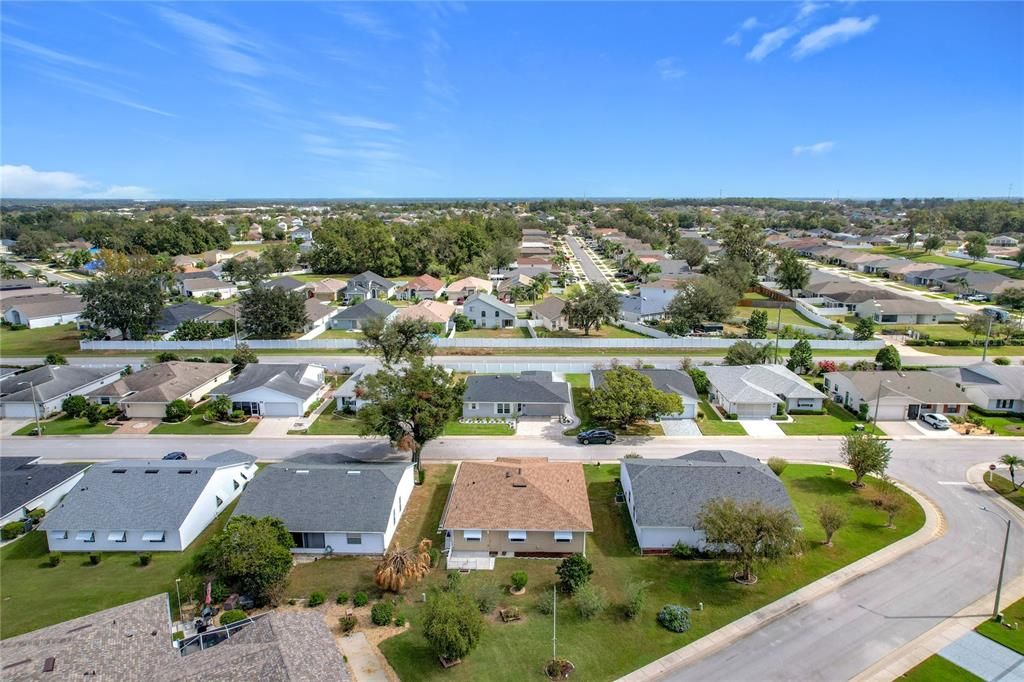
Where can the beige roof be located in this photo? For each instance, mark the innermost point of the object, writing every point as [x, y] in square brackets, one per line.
[470, 283]
[925, 387]
[550, 308]
[317, 310]
[6, 296]
[423, 282]
[32, 307]
[205, 283]
[164, 382]
[429, 311]
[529, 493]
[328, 286]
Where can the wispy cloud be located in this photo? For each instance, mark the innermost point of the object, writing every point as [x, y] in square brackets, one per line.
[226, 50]
[736, 37]
[54, 56]
[669, 69]
[815, 149]
[366, 21]
[100, 91]
[27, 182]
[770, 42]
[833, 34]
[435, 69]
[808, 8]
[349, 121]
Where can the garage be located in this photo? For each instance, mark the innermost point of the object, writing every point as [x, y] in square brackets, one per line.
[18, 411]
[280, 410]
[754, 410]
[890, 412]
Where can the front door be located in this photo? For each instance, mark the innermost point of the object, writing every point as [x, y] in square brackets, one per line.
[913, 411]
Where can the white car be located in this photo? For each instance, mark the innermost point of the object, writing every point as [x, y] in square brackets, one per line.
[936, 421]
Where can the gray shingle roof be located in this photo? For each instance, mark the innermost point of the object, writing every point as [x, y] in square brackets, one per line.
[286, 283]
[134, 499]
[670, 493]
[173, 315]
[529, 387]
[21, 480]
[925, 387]
[550, 307]
[490, 300]
[993, 380]
[758, 383]
[665, 380]
[287, 379]
[371, 307]
[362, 281]
[51, 381]
[354, 497]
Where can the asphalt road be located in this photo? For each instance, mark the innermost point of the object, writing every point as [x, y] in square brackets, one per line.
[888, 285]
[591, 270]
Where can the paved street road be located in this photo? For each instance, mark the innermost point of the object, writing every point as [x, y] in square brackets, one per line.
[590, 269]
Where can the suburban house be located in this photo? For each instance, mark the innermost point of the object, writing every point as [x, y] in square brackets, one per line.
[208, 286]
[756, 391]
[909, 268]
[487, 312]
[508, 286]
[531, 394]
[147, 393]
[344, 508]
[550, 313]
[904, 311]
[422, 287]
[368, 285]
[655, 296]
[174, 315]
[26, 484]
[146, 506]
[526, 507]
[666, 381]
[989, 284]
[1004, 240]
[989, 386]
[287, 284]
[461, 289]
[36, 309]
[348, 396]
[935, 275]
[665, 496]
[430, 311]
[328, 289]
[40, 392]
[896, 396]
[356, 316]
[318, 314]
[21, 284]
[275, 390]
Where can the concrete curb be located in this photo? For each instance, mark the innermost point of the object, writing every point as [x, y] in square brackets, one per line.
[934, 527]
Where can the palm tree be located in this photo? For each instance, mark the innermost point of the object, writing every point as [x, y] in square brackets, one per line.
[646, 270]
[542, 282]
[1012, 462]
[401, 565]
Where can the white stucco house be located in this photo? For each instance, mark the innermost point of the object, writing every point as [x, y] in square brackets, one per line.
[27, 484]
[756, 391]
[37, 312]
[40, 392]
[487, 312]
[993, 387]
[208, 286]
[275, 390]
[896, 396]
[152, 506]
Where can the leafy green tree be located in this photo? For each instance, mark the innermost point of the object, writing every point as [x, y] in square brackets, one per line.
[932, 242]
[574, 572]
[1019, 258]
[831, 517]
[746, 353]
[589, 309]
[244, 355]
[864, 454]
[396, 341]
[911, 237]
[700, 380]
[734, 274]
[753, 531]
[252, 270]
[218, 409]
[252, 554]
[452, 624]
[272, 313]
[1012, 299]
[865, 329]
[200, 330]
[801, 357]
[280, 257]
[55, 359]
[699, 300]
[74, 406]
[176, 411]
[889, 358]
[692, 251]
[411, 404]
[977, 246]
[130, 303]
[757, 325]
[791, 273]
[743, 238]
[626, 396]
[34, 244]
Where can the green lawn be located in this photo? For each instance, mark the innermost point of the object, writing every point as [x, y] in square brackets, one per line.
[1002, 425]
[35, 595]
[66, 426]
[197, 426]
[789, 316]
[331, 423]
[581, 405]
[1008, 637]
[922, 257]
[1004, 487]
[608, 331]
[455, 428]
[838, 422]
[937, 669]
[608, 646]
[993, 352]
[937, 332]
[578, 380]
[340, 334]
[39, 342]
[506, 333]
[712, 424]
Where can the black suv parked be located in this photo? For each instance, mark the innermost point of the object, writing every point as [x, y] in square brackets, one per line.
[596, 436]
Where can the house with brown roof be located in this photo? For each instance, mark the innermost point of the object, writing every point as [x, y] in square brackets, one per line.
[515, 507]
[422, 287]
[550, 313]
[461, 289]
[146, 393]
[328, 289]
[431, 312]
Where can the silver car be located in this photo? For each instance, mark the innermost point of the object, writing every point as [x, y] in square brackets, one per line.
[936, 421]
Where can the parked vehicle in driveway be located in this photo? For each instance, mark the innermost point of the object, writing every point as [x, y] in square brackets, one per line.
[936, 421]
[596, 436]
[176, 455]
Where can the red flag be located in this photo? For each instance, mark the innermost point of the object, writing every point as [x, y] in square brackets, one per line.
[209, 587]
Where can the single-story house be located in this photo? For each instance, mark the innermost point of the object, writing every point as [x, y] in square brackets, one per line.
[531, 394]
[287, 284]
[510, 284]
[989, 386]
[208, 286]
[215, 256]
[461, 289]
[666, 496]
[348, 396]
[328, 289]
[344, 508]
[318, 314]
[908, 268]
[904, 311]
[526, 507]
[147, 393]
[896, 396]
[275, 390]
[27, 484]
[430, 311]
[174, 315]
[138, 505]
[756, 391]
[368, 285]
[38, 311]
[1004, 240]
[422, 287]
[40, 392]
[355, 317]
[989, 284]
[487, 312]
[935, 275]
[666, 381]
[21, 284]
[551, 313]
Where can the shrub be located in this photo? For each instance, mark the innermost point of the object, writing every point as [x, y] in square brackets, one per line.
[93, 414]
[675, 618]
[382, 613]
[145, 558]
[342, 598]
[862, 412]
[636, 597]
[347, 623]
[400, 621]
[12, 530]
[889, 358]
[219, 359]
[360, 599]
[177, 410]
[316, 599]
[74, 406]
[519, 580]
[454, 581]
[55, 359]
[95, 558]
[682, 551]
[218, 409]
[590, 601]
[777, 465]
[451, 624]
[435, 557]
[55, 558]
[1002, 361]
[37, 514]
[232, 616]
[544, 605]
[700, 380]
[195, 358]
[167, 356]
[574, 572]
[558, 668]
[487, 597]
[731, 415]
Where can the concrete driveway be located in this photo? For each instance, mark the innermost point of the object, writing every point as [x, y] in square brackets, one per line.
[762, 428]
[926, 430]
[276, 426]
[899, 429]
[680, 427]
[546, 427]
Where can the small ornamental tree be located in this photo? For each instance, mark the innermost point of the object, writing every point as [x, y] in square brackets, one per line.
[219, 409]
[1012, 462]
[590, 600]
[519, 580]
[452, 624]
[74, 406]
[626, 396]
[700, 380]
[801, 357]
[244, 355]
[574, 572]
[864, 330]
[176, 411]
[757, 325]
[889, 498]
[889, 358]
[636, 597]
[832, 517]
[55, 359]
[751, 531]
[253, 554]
[864, 454]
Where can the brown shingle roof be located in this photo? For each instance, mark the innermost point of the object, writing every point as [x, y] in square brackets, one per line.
[529, 493]
[164, 382]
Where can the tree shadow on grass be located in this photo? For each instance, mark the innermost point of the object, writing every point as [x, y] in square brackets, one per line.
[823, 485]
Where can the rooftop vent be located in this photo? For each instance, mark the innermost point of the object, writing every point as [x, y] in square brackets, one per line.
[152, 471]
[119, 471]
[302, 471]
[186, 471]
[354, 473]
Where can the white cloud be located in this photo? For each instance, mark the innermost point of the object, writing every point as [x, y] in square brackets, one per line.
[53, 56]
[226, 49]
[808, 8]
[362, 122]
[669, 69]
[749, 23]
[833, 34]
[101, 91]
[366, 21]
[769, 42]
[813, 149]
[736, 37]
[27, 182]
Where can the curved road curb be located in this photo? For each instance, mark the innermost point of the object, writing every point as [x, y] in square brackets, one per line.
[934, 527]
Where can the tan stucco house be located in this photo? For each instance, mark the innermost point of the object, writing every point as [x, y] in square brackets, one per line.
[146, 393]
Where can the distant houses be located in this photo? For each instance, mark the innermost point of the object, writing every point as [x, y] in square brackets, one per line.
[40, 392]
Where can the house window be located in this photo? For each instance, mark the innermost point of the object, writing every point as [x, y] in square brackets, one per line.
[804, 403]
[503, 408]
[153, 536]
[472, 406]
[517, 536]
[1004, 404]
[235, 482]
[483, 314]
[353, 538]
[826, 383]
[219, 501]
[117, 536]
[563, 536]
[85, 536]
[472, 535]
[950, 409]
[309, 540]
[59, 535]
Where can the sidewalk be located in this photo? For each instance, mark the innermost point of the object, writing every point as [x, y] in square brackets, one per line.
[362, 659]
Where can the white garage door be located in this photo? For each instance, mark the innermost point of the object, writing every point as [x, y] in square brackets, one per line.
[17, 411]
[280, 410]
[890, 413]
[753, 410]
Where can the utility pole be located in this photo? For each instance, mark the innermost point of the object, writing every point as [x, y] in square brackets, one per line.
[1002, 562]
[778, 331]
[554, 621]
[988, 332]
[35, 407]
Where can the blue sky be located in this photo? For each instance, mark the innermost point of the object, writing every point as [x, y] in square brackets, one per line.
[208, 100]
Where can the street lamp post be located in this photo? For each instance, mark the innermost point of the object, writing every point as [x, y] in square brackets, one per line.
[778, 331]
[1002, 562]
[177, 590]
[988, 333]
